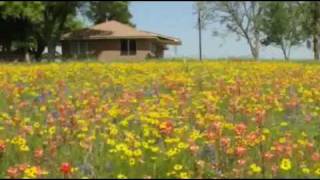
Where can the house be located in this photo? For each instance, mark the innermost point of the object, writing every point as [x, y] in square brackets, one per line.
[112, 40]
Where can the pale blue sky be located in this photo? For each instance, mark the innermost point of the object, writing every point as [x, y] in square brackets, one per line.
[178, 19]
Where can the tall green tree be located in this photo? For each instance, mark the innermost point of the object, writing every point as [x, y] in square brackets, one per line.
[16, 20]
[36, 25]
[312, 25]
[100, 11]
[54, 22]
[282, 26]
[39, 24]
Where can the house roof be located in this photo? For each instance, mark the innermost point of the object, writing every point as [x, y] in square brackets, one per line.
[116, 30]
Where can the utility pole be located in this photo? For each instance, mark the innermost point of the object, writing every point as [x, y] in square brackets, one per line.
[199, 29]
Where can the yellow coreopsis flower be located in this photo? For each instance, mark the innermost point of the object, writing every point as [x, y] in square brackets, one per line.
[121, 176]
[137, 153]
[177, 167]
[255, 168]
[184, 175]
[24, 148]
[285, 164]
[52, 130]
[30, 172]
[36, 125]
[182, 145]
[155, 149]
[43, 108]
[265, 131]
[317, 171]
[306, 170]
[132, 162]
[282, 140]
[172, 152]
[284, 124]
[195, 135]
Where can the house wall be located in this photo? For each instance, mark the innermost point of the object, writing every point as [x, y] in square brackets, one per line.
[106, 50]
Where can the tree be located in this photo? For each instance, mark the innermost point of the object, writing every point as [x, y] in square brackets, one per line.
[282, 26]
[312, 24]
[17, 19]
[36, 25]
[55, 18]
[100, 11]
[39, 24]
[240, 17]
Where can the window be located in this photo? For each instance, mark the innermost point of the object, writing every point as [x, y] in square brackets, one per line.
[124, 47]
[132, 47]
[128, 47]
[84, 48]
[74, 47]
[79, 48]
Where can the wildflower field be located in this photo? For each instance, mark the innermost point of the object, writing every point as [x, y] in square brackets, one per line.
[160, 120]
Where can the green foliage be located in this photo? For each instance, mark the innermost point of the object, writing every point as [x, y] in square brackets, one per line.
[35, 24]
[311, 25]
[282, 25]
[17, 19]
[311, 12]
[100, 11]
[26, 10]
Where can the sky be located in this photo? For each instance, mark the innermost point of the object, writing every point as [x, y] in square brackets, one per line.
[178, 19]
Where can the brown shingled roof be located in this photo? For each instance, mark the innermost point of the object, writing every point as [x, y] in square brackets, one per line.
[116, 30]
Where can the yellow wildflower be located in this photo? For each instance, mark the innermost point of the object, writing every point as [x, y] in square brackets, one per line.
[132, 162]
[282, 140]
[121, 176]
[31, 172]
[177, 167]
[285, 164]
[52, 130]
[24, 148]
[284, 124]
[306, 170]
[43, 108]
[36, 125]
[265, 131]
[255, 168]
[137, 153]
[184, 175]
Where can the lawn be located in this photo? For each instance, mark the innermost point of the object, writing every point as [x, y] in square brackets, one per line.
[220, 119]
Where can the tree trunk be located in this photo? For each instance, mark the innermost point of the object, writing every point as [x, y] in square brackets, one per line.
[286, 57]
[316, 47]
[316, 29]
[284, 52]
[254, 51]
[254, 46]
[38, 52]
[51, 50]
[40, 48]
